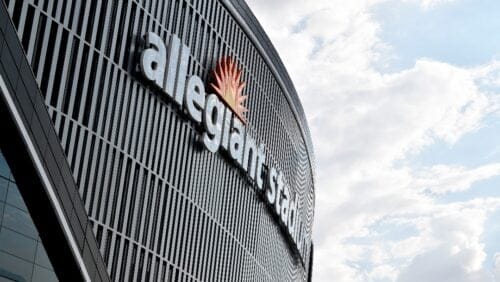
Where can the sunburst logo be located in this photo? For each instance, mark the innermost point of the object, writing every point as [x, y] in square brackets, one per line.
[229, 87]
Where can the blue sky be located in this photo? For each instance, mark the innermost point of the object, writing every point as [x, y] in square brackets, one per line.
[402, 98]
[461, 32]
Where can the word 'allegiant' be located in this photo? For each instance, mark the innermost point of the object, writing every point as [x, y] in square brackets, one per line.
[223, 129]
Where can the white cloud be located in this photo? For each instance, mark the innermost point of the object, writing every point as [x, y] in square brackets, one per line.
[365, 124]
[398, 114]
[459, 254]
[497, 267]
[442, 265]
[383, 273]
[427, 4]
[441, 179]
[361, 137]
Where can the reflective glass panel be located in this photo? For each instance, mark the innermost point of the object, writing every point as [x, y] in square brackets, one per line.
[22, 255]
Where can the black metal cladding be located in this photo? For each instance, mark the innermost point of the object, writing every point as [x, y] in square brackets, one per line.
[163, 208]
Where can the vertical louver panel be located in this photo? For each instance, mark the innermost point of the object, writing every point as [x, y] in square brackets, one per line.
[163, 208]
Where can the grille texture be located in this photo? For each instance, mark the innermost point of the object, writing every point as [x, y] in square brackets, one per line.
[162, 207]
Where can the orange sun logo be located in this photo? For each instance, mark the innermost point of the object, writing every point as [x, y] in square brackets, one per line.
[229, 87]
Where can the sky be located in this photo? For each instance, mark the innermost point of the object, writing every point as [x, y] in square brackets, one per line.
[403, 102]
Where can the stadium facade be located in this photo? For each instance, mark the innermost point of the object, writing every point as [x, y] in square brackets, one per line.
[149, 141]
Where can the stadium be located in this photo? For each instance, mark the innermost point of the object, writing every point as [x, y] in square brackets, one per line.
[149, 141]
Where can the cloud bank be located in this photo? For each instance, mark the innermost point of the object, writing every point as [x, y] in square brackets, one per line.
[380, 216]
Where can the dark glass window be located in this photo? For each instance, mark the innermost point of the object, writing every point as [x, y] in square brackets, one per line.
[22, 255]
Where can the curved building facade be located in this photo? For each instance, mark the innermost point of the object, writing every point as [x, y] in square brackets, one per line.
[129, 88]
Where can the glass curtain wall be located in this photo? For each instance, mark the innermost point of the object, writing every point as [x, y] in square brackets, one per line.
[22, 254]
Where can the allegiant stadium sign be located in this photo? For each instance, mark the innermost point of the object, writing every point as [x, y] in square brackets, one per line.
[222, 117]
